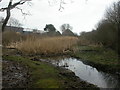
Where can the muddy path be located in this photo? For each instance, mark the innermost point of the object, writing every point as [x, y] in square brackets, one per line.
[14, 75]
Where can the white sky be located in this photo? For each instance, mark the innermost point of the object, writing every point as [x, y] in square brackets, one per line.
[81, 15]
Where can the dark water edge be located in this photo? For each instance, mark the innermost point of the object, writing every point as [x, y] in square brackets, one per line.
[87, 73]
[99, 67]
[16, 75]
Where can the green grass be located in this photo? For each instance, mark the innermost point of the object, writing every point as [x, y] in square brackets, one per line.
[99, 55]
[45, 75]
[42, 75]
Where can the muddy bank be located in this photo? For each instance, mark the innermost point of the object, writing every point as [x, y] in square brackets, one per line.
[71, 81]
[14, 51]
[17, 75]
[14, 75]
[98, 66]
[101, 67]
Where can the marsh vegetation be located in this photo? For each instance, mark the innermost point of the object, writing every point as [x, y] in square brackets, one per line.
[30, 54]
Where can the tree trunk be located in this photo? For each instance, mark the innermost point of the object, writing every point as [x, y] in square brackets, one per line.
[118, 27]
[8, 15]
[6, 19]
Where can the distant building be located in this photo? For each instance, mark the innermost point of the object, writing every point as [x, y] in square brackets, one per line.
[15, 29]
[68, 32]
[27, 31]
[23, 30]
[38, 31]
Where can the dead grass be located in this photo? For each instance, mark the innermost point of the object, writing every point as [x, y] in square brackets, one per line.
[9, 37]
[48, 45]
[84, 42]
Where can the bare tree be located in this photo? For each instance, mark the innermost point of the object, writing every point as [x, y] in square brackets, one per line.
[8, 9]
[12, 5]
[14, 22]
[67, 30]
[60, 2]
[113, 14]
[65, 27]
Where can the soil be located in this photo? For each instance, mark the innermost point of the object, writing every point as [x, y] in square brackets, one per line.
[14, 75]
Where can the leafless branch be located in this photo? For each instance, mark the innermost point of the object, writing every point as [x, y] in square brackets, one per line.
[22, 11]
[3, 9]
[29, 3]
[61, 5]
[11, 6]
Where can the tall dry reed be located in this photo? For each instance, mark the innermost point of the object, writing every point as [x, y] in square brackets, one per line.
[48, 45]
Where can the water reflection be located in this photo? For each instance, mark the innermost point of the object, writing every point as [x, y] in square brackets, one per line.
[88, 73]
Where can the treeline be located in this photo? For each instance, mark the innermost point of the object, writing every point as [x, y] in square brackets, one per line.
[107, 30]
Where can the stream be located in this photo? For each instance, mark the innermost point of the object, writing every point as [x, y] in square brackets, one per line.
[88, 73]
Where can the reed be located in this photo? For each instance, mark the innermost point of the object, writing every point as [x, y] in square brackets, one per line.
[47, 45]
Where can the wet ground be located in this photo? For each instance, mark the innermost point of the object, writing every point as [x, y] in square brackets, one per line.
[14, 75]
[87, 72]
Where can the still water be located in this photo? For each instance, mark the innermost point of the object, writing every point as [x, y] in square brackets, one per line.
[88, 73]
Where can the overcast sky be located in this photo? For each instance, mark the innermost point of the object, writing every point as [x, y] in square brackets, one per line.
[82, 15]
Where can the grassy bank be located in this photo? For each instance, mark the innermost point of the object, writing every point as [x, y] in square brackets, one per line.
[42, 75]
[45, 75]
[104, 58]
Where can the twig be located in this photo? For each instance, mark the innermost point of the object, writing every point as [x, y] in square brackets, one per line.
[22, 11]
[61, 3]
